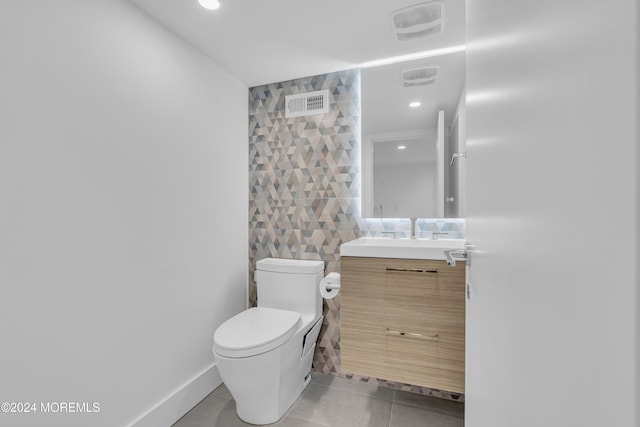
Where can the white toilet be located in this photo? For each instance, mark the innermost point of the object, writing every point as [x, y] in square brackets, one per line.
[264, 354]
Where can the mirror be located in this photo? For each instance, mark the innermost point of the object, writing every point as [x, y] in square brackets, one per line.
[413, 157]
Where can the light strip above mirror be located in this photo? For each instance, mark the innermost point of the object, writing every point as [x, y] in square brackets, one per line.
[413, 56]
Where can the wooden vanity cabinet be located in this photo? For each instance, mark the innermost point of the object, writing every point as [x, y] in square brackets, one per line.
[403, 320]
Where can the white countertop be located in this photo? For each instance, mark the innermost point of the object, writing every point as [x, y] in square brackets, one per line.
[377, 247]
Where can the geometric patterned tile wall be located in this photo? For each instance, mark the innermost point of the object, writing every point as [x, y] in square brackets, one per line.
[304, 172]
[304, 192]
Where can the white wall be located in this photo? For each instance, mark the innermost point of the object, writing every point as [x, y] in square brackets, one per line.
[461, 113]
[405, 189]
[553, 189]
[123, 210]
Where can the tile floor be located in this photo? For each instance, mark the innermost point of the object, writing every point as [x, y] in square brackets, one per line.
[336, 402]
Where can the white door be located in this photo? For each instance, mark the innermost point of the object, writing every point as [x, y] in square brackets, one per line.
[552, 154]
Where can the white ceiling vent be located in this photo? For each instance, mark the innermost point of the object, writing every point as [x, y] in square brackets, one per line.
[305, 104]
[419, 76]
[418, 21]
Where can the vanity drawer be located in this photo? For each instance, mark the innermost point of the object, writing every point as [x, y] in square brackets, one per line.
[403, 320]
[421, 294]
[381, 353]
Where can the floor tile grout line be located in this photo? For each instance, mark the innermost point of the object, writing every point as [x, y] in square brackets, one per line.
[393, 404]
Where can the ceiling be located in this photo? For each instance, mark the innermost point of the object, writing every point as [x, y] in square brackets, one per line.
[267, 41]
[415, 151]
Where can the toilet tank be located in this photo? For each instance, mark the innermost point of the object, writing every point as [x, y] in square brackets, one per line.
[290, 284]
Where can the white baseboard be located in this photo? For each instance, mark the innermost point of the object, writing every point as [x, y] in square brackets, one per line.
[178, 403]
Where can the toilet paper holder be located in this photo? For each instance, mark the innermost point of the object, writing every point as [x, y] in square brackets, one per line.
[330, 285]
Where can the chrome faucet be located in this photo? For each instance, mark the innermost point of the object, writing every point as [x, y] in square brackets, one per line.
[413, 226]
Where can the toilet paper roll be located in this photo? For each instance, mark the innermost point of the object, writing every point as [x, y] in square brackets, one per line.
[330, 286]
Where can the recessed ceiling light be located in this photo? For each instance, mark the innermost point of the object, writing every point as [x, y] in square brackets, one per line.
[210, 4]
[401, 147]
[415, 104]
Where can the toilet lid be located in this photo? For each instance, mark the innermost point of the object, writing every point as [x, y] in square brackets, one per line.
[254, 331]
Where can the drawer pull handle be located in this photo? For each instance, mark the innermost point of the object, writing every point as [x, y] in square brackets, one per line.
[430, 337]
[413, 270]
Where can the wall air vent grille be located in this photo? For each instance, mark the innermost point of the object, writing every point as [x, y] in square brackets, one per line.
[419, 76]
[305, 104]
[420, 20]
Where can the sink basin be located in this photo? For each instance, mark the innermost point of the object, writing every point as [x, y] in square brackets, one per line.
[377, 247]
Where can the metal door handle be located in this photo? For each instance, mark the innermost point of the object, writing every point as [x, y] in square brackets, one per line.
[452, 254]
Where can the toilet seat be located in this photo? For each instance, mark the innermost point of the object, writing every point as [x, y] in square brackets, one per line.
[255, 331]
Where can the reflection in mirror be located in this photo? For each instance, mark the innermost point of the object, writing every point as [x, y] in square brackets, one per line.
[399, 177]
[413, 157]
